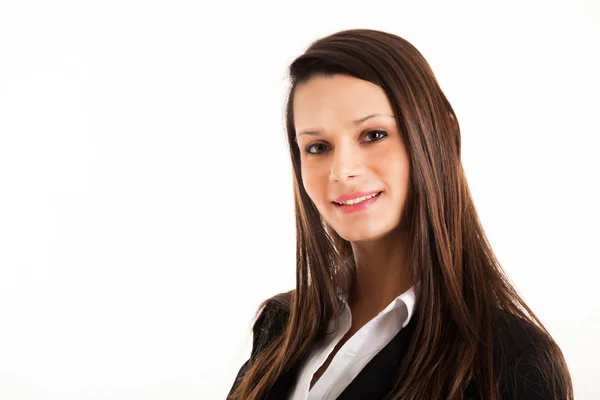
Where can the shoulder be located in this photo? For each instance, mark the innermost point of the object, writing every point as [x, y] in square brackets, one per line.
[528, 362]
[512, 335]
[273, 315]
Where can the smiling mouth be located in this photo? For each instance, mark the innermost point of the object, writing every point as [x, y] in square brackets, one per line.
[357, 201]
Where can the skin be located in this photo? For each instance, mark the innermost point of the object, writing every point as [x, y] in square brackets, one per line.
[350, 157]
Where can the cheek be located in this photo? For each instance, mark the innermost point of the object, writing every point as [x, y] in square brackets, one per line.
[316, 186]
[311, 183]
[402, 180]
[402, 174]
[399, 166]
[395, 174]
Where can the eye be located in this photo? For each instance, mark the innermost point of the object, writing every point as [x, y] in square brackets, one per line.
[376, 136]
[384, 133]
[313, 146]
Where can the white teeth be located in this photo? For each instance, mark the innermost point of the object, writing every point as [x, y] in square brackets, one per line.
[359, 200]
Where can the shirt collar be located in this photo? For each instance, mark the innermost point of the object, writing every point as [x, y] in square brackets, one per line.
[408, 299]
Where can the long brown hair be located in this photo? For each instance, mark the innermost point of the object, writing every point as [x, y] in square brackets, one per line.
[461, 281]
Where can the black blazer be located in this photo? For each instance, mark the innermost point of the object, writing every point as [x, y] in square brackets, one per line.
[516, 350]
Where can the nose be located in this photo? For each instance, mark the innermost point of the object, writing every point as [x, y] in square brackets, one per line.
[346, 164]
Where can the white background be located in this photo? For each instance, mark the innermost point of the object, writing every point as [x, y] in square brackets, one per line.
[145, 186]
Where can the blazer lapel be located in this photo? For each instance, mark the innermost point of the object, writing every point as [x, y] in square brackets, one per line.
[374, 381]
[377, 378]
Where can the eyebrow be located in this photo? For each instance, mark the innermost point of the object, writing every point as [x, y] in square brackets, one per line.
[355, 122]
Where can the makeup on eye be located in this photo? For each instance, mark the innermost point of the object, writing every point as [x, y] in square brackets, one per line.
[366, 133]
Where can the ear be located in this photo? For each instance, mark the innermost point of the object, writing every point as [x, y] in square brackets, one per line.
[454, 122]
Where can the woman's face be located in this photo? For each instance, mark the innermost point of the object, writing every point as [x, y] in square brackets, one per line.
[349, 142]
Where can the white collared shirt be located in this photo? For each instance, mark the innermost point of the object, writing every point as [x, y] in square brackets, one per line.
[355, 353]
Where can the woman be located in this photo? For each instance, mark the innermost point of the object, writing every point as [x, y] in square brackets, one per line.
[398, 292]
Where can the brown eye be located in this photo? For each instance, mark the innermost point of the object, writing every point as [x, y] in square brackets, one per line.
[312, 146]
[375, 133]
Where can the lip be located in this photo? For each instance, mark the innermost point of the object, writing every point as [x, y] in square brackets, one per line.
[363, 205]
[354, 195]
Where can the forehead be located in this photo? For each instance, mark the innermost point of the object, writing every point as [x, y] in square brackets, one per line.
[333, 99]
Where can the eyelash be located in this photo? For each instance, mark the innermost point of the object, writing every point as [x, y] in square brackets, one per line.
[307, 149]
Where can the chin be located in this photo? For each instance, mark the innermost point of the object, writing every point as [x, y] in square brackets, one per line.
[361, 235]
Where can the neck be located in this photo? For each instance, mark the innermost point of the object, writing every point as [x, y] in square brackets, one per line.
[382, 273]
